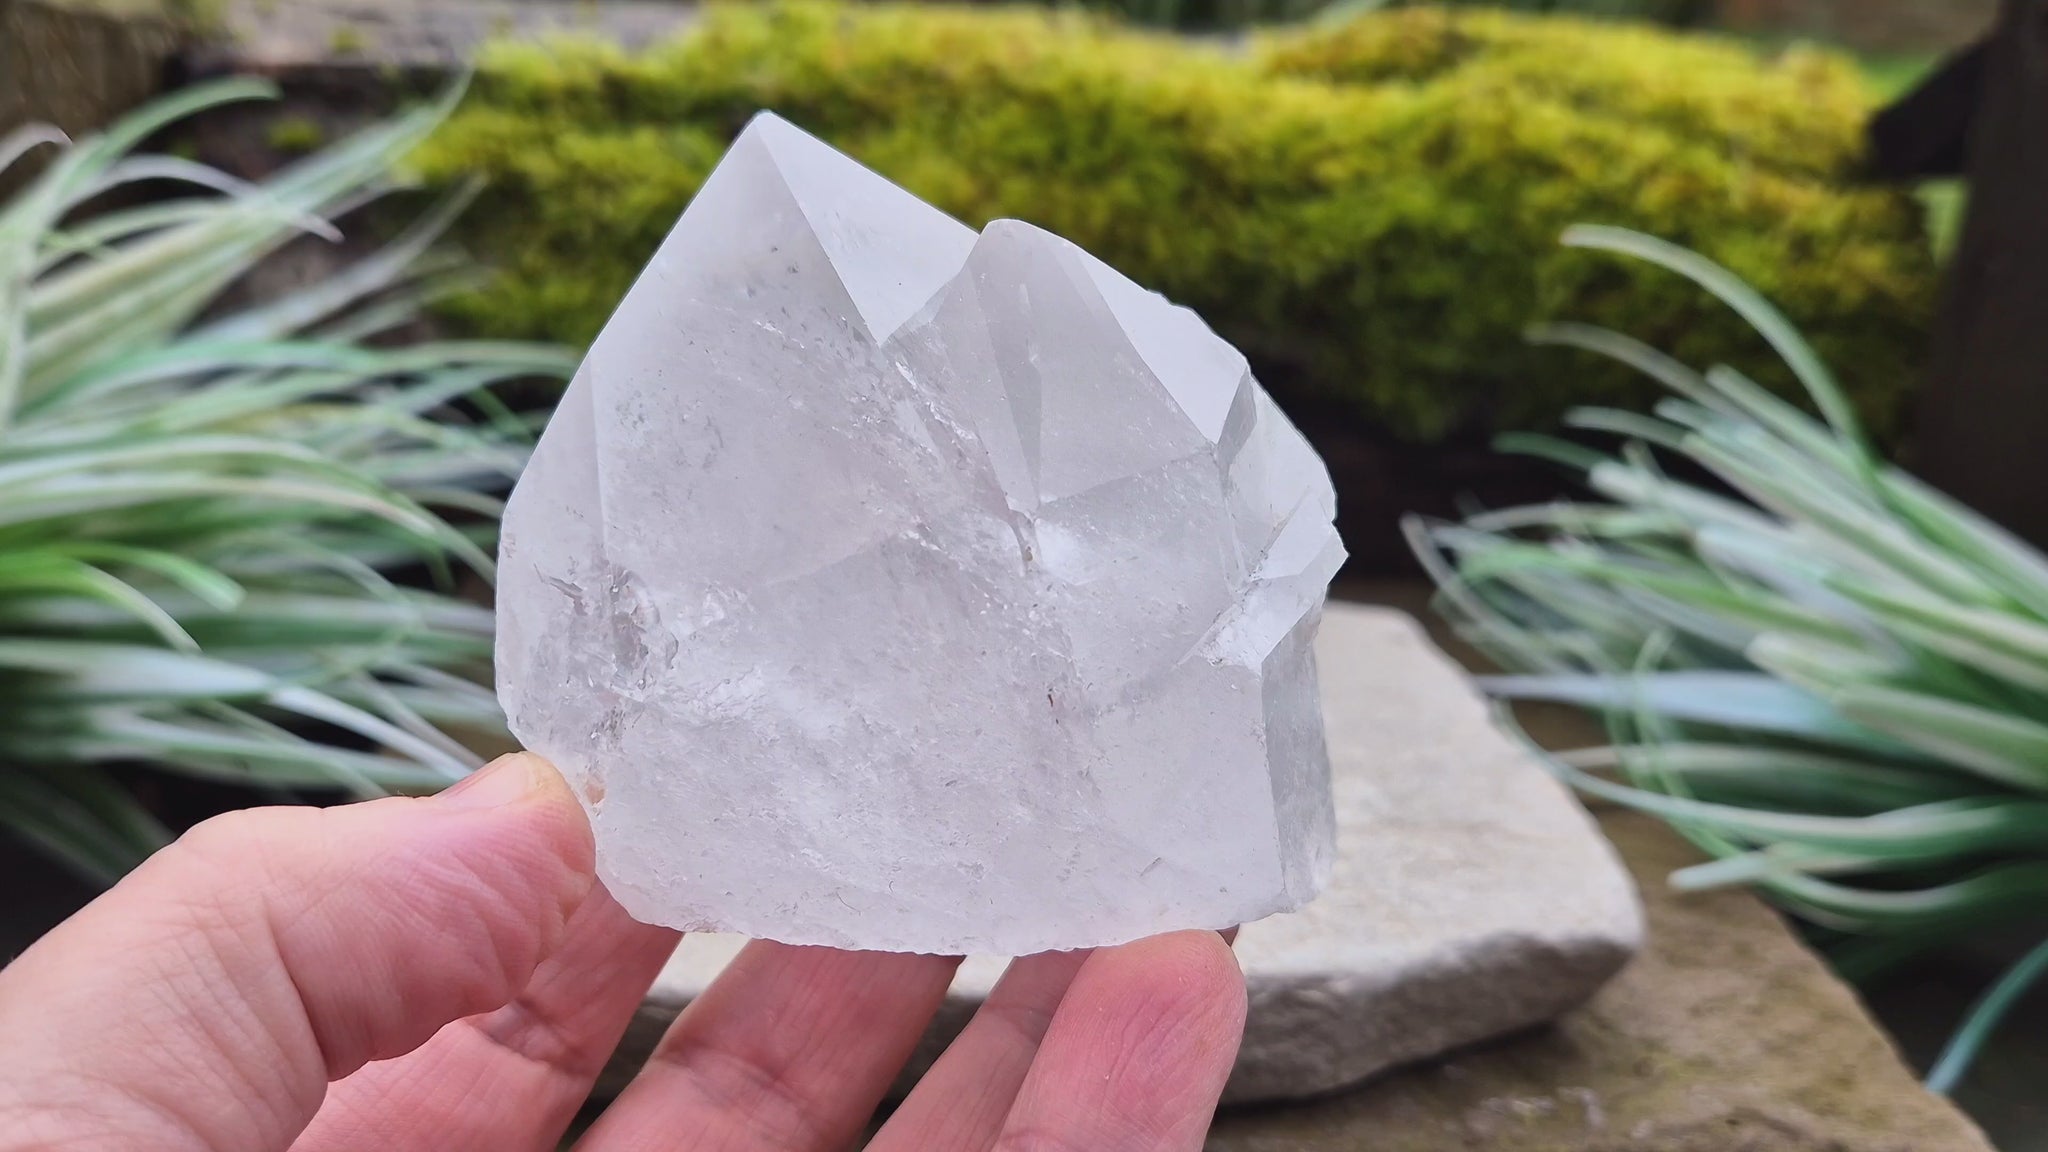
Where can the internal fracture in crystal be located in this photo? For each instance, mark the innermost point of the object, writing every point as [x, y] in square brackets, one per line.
[881, 584]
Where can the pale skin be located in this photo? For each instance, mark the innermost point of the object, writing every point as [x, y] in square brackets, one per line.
[428, 975]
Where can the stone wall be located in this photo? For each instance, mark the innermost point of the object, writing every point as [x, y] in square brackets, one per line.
[78, 65]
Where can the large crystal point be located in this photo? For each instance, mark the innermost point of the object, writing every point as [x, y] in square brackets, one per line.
[882, 585]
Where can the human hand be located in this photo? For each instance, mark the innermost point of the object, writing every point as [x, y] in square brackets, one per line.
[445, 974]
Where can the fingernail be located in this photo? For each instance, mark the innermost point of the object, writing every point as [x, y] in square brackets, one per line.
[506, 780]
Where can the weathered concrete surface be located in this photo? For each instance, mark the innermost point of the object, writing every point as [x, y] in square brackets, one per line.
[1471, 896]
[1726, 1035]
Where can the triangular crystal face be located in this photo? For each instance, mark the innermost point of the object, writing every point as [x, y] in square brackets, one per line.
[890, 249]
[884, 585]
[1200, 370]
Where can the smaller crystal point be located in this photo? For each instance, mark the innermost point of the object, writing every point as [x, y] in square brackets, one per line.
[883, 585]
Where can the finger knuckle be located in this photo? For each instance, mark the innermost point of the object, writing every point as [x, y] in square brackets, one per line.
[233, 851]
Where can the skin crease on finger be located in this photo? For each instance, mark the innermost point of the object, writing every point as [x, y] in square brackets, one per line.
[205, 1004]
[516, 1076]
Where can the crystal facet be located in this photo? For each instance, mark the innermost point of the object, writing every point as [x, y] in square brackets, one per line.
[884, 585]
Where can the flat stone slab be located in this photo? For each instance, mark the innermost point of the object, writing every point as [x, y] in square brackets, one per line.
[1472, 895]
[1726, 1035]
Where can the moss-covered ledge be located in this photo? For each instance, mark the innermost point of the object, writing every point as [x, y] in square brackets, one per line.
[1370, 211]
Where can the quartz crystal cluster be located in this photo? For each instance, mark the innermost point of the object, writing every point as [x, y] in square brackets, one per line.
[882, 584]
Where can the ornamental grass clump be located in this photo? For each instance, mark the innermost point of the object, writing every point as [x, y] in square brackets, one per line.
[229, 536]
[1829, 676]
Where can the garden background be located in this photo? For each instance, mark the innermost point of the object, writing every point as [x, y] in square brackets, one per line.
[1366, 199]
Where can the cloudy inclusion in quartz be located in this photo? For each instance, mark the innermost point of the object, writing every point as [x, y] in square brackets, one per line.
[886, 585]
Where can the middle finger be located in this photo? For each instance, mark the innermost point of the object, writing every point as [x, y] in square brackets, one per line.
[790, 1049]
[961, 1103]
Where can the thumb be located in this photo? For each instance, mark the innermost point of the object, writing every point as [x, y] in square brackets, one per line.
[206, 1000]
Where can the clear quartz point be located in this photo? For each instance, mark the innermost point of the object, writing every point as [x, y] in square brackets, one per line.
[883, 585]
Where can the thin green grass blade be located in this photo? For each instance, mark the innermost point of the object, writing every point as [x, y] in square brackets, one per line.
[1792, 779]
[72, 827]
[298, 311]
[1739, 700]
[1761, 315]
[26, 139]
[1695, 590]
[1635, 354]
[1955, 1059]
[2009, 749]
[1781, 861]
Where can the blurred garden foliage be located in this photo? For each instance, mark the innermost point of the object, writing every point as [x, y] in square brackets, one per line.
[230, 532]
[1368, 209]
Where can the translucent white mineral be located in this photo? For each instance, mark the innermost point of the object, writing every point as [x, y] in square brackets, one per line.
[884, 585]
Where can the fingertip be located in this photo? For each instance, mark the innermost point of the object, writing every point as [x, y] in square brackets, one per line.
[1196, 972]
[552, 798]
[526, 835]
[1176, 991]
[527, 786]
[516, 777]
[1197, 954]
[1140, 1049]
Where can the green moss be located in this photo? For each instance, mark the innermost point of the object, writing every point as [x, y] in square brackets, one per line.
[1799, 110]
[346, 40]
[296, 134]
[1370, 211]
